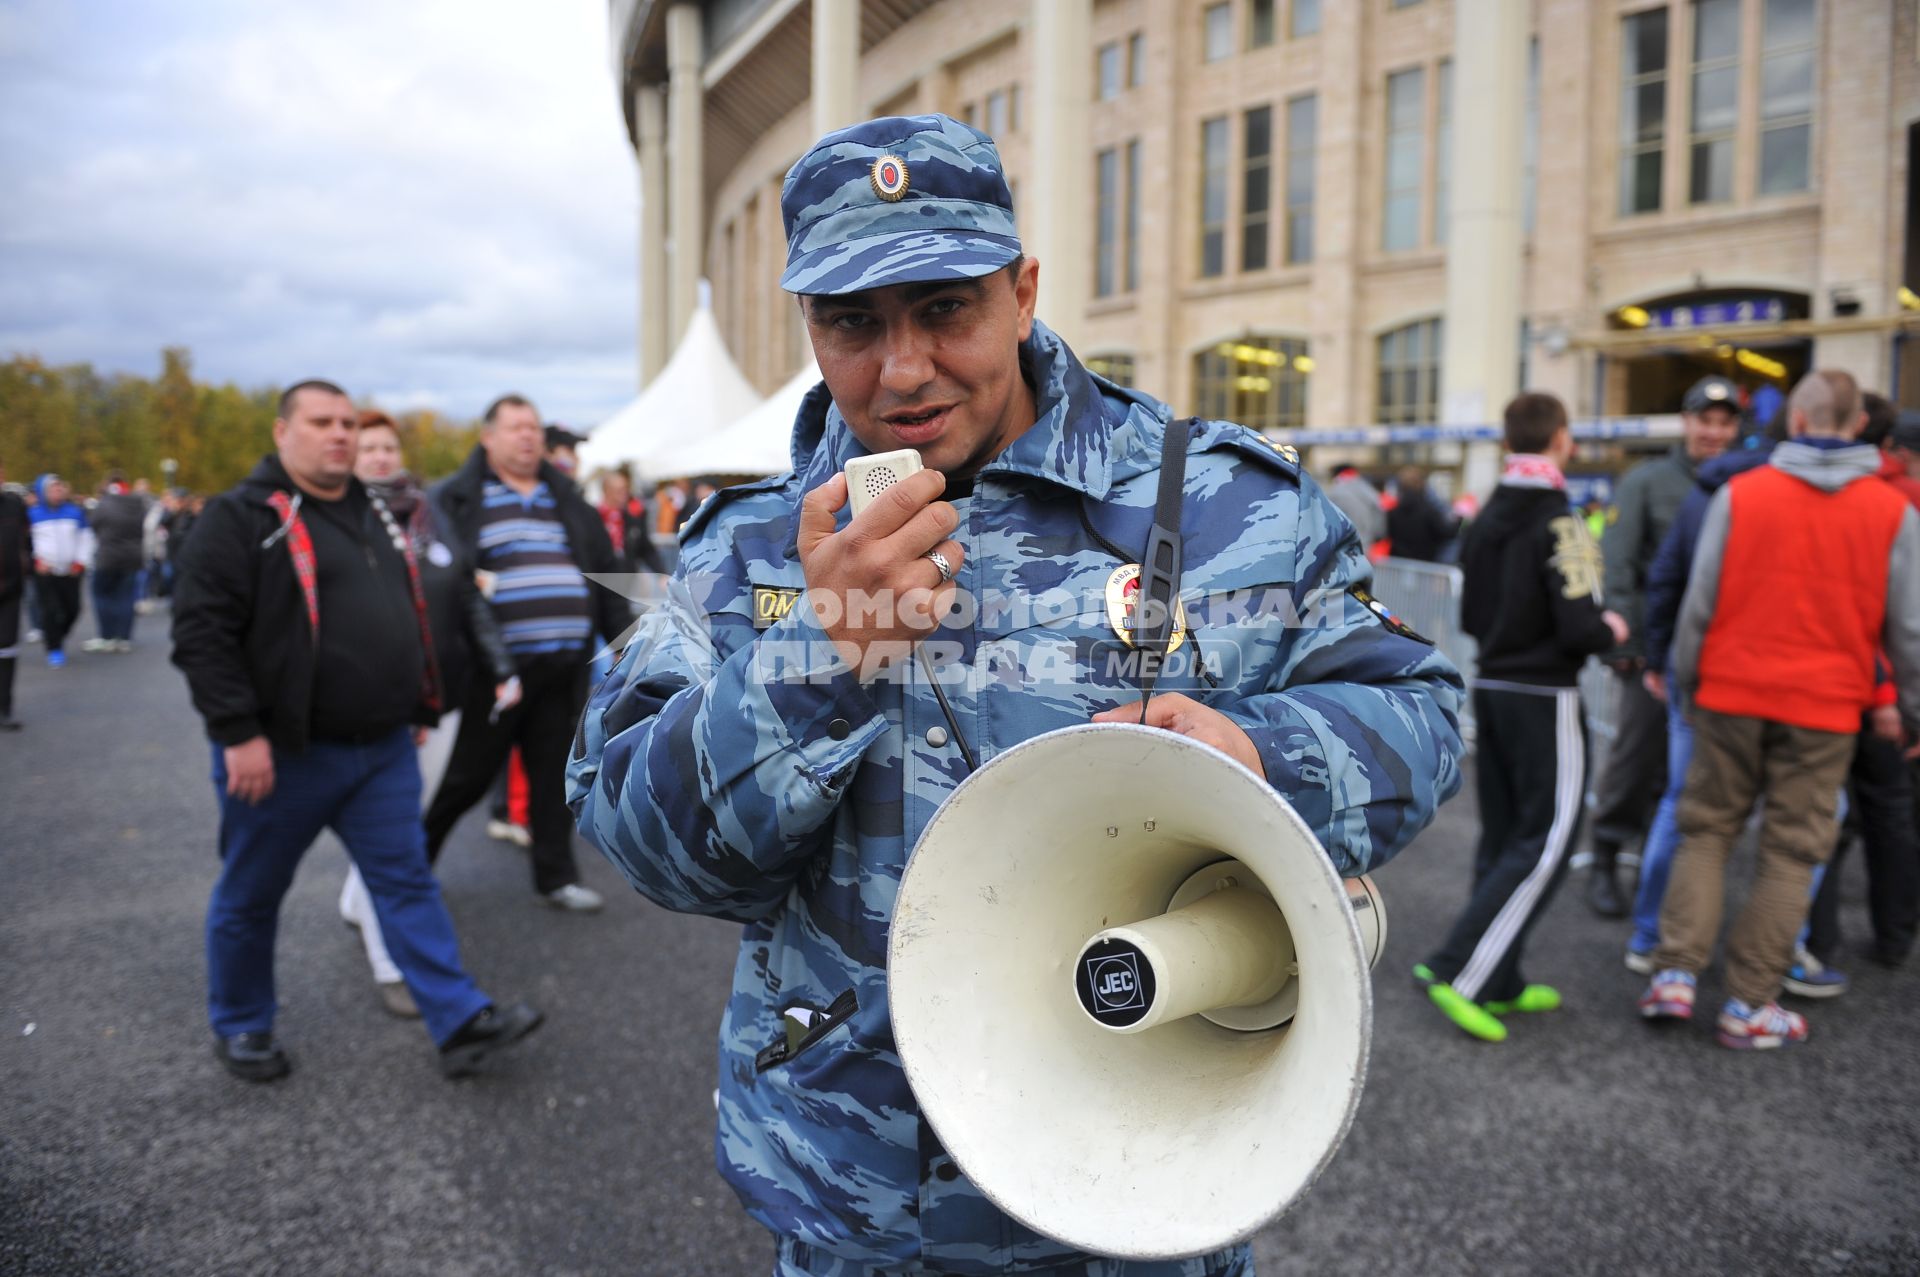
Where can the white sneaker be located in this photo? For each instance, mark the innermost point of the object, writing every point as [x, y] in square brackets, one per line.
[33, 636]
[123, 646]
[507, 831]
[97, 645]
[576, 899]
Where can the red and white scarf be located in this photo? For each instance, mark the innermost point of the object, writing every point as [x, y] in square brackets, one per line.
[293, 529]
[1531, 470]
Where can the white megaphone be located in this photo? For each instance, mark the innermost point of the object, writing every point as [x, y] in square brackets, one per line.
[1129, 991]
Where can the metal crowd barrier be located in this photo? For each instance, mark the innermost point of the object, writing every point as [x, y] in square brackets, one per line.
[1427, 597]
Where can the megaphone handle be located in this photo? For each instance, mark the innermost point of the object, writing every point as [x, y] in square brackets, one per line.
[953, 723]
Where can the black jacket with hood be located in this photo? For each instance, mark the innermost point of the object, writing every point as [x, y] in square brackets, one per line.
[1531, 596]
[240, 628]
[460, 499]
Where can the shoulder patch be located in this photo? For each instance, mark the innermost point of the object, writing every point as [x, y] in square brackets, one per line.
[1393, 623]
[1281, 457]
[712, 505]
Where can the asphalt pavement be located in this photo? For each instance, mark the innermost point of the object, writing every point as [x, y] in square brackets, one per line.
[1587, 1143]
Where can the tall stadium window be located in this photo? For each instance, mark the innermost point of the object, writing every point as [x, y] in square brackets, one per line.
[1443, 151]
[1716, 100]
[1260, 24]
[1256, 187]
[1643, 110]
[997, 113]
[1256, 381]
[1117, 369]
[1213, 197]
[1218, 31]
[1786, 96]
[1131, 273]
[1303, 114]
[1106, 247]
[1136, 59]
[1406, 137]
[1108, 71]
[1304, 19]
[1408, 374]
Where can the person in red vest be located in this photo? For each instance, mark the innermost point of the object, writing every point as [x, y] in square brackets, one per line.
[1806, 568]
[1880, 800]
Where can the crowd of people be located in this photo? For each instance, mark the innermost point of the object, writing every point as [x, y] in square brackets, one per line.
[58, 553]
[310, 722]
[1757, 599]
[1401, 518]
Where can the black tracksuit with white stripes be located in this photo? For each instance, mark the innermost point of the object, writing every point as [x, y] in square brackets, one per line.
[1531, 599]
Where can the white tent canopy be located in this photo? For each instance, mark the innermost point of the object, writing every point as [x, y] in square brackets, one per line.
[758, 443]
[699, 393]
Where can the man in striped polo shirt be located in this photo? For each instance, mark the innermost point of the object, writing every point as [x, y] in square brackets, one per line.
[535, 539]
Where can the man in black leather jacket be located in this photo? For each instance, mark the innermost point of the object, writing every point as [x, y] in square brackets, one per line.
[302, 630]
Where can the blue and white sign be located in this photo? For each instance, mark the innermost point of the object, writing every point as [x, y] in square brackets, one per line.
[1738, 310]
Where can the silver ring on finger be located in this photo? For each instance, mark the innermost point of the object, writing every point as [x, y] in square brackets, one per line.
[939, 561]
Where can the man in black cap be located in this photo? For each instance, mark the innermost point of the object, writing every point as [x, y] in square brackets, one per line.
[1644, 506]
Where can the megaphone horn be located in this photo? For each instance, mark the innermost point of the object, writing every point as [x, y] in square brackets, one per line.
[1129, 991]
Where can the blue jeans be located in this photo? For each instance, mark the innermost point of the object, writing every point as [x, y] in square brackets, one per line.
[370, 796]
[1663, 838]
[113, 598]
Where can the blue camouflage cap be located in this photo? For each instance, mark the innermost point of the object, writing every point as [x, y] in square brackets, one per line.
[900, 200]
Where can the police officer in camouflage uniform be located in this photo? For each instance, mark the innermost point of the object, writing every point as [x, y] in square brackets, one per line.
[768, 751]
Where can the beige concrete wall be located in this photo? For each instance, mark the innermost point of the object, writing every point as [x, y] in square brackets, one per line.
[1581, 261]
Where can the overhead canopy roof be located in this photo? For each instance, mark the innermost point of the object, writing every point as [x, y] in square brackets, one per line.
[698, 394]
[759, 443]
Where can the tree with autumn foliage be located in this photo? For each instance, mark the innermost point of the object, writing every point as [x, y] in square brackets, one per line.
[80, 424]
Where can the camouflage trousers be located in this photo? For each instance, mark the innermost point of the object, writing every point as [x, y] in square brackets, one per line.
[799, 1260]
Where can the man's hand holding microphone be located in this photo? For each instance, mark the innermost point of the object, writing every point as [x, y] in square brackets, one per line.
[875, 586]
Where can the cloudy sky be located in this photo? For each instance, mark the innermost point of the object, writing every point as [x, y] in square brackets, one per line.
[429, 201]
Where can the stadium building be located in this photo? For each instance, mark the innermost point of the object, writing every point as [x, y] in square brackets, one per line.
[1340, 214]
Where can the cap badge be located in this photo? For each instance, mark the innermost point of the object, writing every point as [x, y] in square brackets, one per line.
[889, 178]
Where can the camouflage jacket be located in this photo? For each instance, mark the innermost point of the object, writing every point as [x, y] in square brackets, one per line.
[731, 765]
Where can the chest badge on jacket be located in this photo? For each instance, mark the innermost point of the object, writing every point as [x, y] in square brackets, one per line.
[1123, 590]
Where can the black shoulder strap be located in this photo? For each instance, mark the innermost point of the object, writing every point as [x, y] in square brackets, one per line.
[1153, 613]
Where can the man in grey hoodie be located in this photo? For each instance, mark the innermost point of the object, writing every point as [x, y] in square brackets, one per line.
[1807, 569]
[1644, 507]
